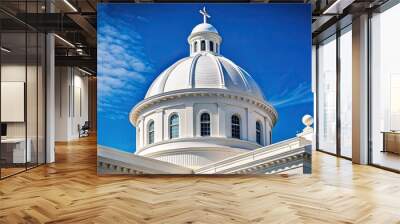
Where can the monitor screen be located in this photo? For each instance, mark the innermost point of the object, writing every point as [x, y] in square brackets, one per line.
[3, 129]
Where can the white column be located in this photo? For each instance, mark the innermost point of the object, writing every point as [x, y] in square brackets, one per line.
[190, 121]
[360, 90]
[162, 124]
[265, 132]
[143, 132]
[246, 125]
[221, 121]
[138, 141]
[50, 99]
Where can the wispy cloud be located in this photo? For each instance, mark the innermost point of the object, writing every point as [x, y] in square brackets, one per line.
[122, 66]
[293, 96]
[143, 19]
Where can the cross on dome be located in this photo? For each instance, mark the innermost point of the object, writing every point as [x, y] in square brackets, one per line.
[205, 14]
[204, 37]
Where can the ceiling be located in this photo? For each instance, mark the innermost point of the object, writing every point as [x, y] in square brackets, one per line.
[75, 22]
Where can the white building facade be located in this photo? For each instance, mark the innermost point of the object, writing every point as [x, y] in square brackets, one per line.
[202, 109]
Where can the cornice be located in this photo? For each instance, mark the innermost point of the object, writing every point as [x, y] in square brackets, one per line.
[202, 92]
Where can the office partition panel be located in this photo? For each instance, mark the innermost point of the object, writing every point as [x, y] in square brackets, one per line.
[345, 93]
[385, 89]
[31, 100]
[15, 149]
[23, 88]
[327, 95]
[334, 94]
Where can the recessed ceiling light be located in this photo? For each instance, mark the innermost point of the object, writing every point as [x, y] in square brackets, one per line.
[84, 71]
[64, 40]
[70, 5]
[5, 50]
[338, 6]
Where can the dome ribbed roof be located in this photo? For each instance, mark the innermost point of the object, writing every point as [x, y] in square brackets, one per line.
[204, 27]
[205, 70]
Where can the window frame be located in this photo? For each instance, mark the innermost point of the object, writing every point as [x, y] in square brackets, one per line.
[202, 45]
[171, 126]
[206, 123]
[236, 127]
[150, 133]
[335, 36]
[259, 132]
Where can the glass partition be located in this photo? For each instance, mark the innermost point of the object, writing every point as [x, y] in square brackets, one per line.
[13, 108]
[327, 95]
[41, 97]
[334, 102]
[385, 89]
[345, 93]
[22, 88]
[31, 99]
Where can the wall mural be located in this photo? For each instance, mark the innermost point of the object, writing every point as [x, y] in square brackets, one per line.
[204, 89]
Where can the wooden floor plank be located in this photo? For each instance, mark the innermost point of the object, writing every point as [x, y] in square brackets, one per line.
[69, 191]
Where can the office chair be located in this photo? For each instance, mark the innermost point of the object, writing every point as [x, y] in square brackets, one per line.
[84, 130]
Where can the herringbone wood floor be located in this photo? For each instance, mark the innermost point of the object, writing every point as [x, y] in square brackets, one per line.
[69, 191]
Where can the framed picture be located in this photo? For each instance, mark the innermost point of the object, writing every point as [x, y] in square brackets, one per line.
[204, 88]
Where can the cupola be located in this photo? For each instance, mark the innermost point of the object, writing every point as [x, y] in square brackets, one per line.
[204, 37]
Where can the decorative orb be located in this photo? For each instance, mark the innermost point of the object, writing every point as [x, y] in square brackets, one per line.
[307, 120]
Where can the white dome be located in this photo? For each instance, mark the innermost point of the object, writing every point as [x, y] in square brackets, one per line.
[204, 82]
[204, 27]
[205, 70]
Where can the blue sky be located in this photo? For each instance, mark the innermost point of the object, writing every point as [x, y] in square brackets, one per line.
[136, 42]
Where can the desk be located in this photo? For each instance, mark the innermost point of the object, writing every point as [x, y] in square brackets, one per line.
[13, 150]
[391, 141]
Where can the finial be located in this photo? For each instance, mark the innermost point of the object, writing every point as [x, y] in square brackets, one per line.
[205, 14]
[307, 120]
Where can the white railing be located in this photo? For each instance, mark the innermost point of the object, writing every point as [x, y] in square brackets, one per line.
[283, 156]
[274, 155]
[116, 161]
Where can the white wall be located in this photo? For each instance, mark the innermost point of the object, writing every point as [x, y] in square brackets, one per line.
[71, 102]
[33, 126]
[12, 73]
[17, 73]
[189, 110]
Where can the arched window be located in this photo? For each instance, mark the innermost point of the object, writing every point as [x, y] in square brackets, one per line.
[211, 46]
[235, 126]
[205, 124]
[195, 46]
[258, 132]
[203, 45]
[174, 126]
[150, 132]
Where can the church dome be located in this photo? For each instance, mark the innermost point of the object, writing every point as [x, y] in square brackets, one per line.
[205, 70]
[204, 27]
[202, 109]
